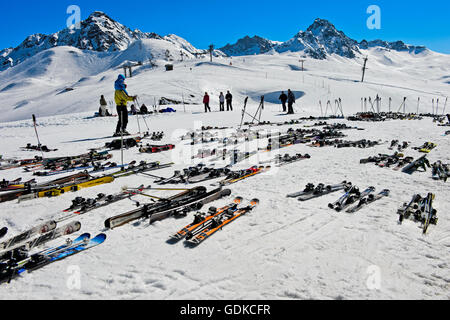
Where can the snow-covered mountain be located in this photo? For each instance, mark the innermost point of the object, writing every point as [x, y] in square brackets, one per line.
[97, 33]
[319, 41]
[249, 46]
[102, 34]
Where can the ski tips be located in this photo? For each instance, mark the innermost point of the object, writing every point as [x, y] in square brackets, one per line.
[255, 202]
[238, 200]
[99, 238]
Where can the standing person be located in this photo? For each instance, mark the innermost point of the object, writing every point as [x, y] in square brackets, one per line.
[206, 102]
[121, 98]
[229, 98]
[291, 101]
[283, 98]
[222, 102]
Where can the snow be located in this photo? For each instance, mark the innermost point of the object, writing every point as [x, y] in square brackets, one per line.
[284, 249]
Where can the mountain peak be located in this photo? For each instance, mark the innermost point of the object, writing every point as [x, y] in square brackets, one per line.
[99, 14]
[321, 25]
[249, 46]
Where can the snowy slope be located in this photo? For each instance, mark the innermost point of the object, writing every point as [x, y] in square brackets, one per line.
[283, 250]
[36, 88]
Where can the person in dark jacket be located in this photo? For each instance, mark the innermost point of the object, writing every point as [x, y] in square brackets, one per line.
[283, 98]
[144, 109]
[229, 98]
[291, 101]
[206, 102]
[133, 110]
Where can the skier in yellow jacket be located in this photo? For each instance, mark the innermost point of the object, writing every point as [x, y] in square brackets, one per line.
[121, 98]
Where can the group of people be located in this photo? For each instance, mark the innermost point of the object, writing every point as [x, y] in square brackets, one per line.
[228, 98]
[288, 98]
[142, 110]
[122, 97]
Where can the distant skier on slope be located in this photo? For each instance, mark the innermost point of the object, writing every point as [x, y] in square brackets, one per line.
[122, 97]
[229, 98]
[291, 101]
[206, 100]
[283, 98]
[222, 102]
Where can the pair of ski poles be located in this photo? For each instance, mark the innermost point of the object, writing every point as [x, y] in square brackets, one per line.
[137, 116]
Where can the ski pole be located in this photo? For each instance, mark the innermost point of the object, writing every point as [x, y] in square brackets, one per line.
[148, 129]
[121, 149]
[37, 136]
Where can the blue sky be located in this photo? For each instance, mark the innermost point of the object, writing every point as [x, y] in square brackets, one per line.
[220, 22]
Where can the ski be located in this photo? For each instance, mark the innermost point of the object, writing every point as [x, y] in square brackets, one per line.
[38, 230]
[83, 206]
[365, 201]
[341, 200]
[219, 223]
[322, 190]
[201, 219]
[143, 167]
[427, 147]
[286, 160]
[421, 162]
[162, 204]
[41, 260]
[57, 191]
[238, 176]
[352, 198]
[430, 213]
[192, 205]
[407, 209]
[3, 232]
[30, 147]
[41, 240]
[156, 148]
[308, 190]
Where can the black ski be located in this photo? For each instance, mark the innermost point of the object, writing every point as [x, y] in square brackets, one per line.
[365, 201]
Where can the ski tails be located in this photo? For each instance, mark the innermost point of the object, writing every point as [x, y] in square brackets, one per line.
[3, 232]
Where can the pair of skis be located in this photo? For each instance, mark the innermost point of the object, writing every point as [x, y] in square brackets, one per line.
[421, 162]
[81, 206]
[178, 205]
[156, 148]
[14, 269]
[368, 199]
[235, 177]
[311, 191]
[204, 226]
[421, 209]
[349, 198]
[36, 237]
